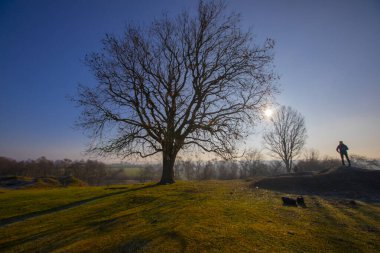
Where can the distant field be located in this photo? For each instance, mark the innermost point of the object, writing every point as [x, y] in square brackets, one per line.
[132, 172]
[213, 216]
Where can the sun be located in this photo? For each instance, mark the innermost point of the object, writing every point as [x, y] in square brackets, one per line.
[268, 112]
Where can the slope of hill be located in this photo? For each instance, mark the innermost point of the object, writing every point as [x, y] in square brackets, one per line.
[345, 182]
[211, 216]
[20, 182]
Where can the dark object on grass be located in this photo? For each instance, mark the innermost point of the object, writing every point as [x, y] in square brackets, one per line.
[301, 201]
[289, 201]
[352, 203]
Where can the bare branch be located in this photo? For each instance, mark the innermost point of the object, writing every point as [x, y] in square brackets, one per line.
[182, 81]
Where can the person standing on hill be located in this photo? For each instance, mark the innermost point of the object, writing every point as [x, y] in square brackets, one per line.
[342, 150]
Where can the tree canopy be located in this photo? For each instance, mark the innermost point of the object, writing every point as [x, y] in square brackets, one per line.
[184, 81]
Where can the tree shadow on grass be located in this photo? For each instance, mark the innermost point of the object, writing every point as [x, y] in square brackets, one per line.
[340, 238]
[35, 236]
[18, 218]
[160, 230]
[138, 243]
[70, 235]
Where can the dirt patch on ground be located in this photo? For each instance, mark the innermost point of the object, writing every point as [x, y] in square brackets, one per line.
[343, 182]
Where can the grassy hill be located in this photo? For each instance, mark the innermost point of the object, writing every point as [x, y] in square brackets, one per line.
[19, 182]
[211, 216]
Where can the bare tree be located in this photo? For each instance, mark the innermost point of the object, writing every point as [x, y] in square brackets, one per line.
[198, 165]
[287, 135]
[188, 167]
[310, 161]
[223, 170]
[187, 81]
[147, 173]
[209, 171]
[251, 163]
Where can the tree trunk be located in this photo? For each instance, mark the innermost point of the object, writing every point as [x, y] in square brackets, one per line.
[168, 160]
[288, 166]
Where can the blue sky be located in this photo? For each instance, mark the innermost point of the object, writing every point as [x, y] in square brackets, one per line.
[327, 55]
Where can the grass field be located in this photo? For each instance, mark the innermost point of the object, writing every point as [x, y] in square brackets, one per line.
[212, 216]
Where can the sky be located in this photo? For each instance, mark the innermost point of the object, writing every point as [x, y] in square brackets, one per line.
[327, 55]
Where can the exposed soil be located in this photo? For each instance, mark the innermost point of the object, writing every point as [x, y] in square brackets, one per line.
[342, 182]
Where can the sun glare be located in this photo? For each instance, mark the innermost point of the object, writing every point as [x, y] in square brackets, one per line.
[268, 112]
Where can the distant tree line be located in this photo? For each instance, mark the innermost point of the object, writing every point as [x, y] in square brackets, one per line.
[226, 170]
[98, 173]
[90, 171]
[251, 165]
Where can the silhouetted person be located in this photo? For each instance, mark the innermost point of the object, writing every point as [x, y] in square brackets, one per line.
[342, 150]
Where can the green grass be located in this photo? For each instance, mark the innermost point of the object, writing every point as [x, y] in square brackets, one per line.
[213, 216]
[132, 172]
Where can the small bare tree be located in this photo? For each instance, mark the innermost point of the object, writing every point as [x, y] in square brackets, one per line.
[251, 163]
[287, 135]
[184, 81]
